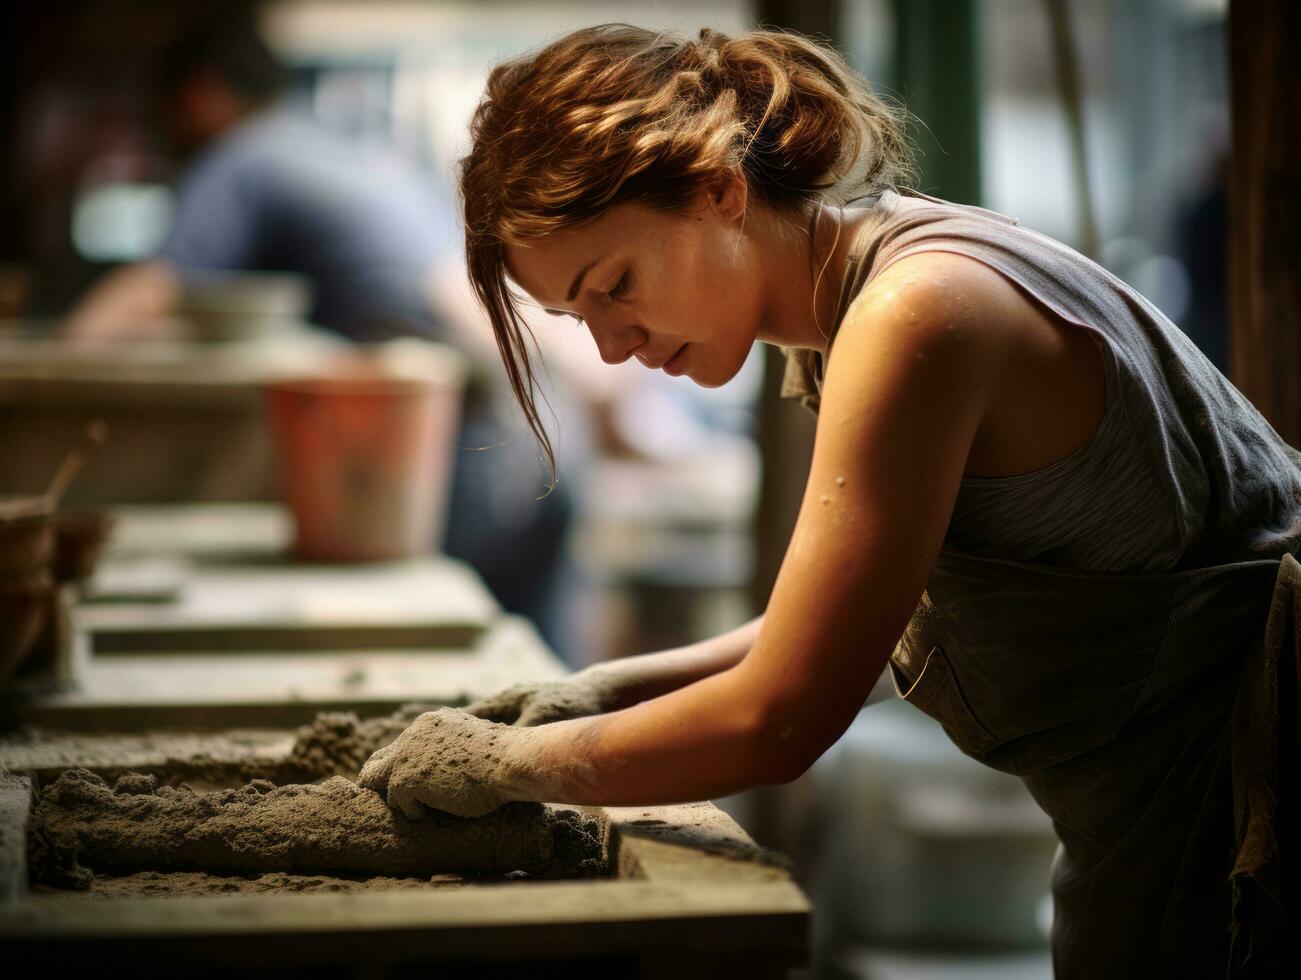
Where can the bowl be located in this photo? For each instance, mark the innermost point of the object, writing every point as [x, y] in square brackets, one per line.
[26, 538]
[231, 306]
[24, 611]
[79, 539]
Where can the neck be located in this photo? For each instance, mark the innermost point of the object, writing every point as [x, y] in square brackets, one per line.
[804, 266]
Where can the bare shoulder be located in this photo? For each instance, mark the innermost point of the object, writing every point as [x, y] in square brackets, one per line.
[955, 323]
[937, 319]
[929, 296]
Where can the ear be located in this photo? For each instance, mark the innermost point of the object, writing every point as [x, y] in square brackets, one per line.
[729, 194]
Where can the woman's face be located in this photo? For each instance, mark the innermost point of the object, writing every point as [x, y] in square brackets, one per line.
[678, 291]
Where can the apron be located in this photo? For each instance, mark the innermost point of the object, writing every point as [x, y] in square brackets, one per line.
[1146, 714]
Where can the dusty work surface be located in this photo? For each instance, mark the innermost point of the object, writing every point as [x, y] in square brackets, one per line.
[333, 743]
[86, 828]
[214, 577]
[81, 826]
[278, 605]
[192, 884]
[686, 888]
[261, 689]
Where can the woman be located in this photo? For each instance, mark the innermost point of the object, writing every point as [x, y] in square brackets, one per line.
[1021, 468]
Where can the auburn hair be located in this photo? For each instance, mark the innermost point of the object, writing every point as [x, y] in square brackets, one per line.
[614, 114]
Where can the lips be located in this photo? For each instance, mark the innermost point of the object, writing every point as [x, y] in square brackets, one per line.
[676, 364]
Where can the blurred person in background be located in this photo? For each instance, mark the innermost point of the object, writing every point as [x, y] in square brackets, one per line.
[266, 188]
[1032, 500]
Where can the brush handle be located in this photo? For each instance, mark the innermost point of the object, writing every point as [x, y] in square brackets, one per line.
[72, 463]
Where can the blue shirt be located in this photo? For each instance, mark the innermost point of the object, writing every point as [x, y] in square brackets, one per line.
[283, 193]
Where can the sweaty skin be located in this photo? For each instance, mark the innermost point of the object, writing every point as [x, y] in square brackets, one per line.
[941, 369]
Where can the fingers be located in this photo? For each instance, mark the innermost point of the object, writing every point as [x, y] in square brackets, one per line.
[375, 773]
[480, 800]
[415, 775]
[504, 706]
[556, 702]
[493, 710]
[383, 752]
[538, 712]
[405, 798]
[415, 799]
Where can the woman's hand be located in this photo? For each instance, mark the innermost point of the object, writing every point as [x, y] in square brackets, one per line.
[589, 692]
[616, 684]
[451, 761]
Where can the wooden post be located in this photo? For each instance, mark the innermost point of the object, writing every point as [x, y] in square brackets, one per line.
[785, 429]
[937, 71]
[1265, 210]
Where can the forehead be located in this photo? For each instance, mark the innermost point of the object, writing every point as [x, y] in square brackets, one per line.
[545, 267]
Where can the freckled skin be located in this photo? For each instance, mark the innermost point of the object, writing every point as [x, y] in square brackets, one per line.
[665, 281]
[717, 276]
[941, 368]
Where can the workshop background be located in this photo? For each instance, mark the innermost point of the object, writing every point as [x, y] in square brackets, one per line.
[1103, 123]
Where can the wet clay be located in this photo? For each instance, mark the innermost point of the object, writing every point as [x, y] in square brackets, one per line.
[81, 825]
[339, 743]
[335, 743]
[177, 884]
[228, 758]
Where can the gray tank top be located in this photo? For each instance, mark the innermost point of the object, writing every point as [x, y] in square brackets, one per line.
[1181, 472]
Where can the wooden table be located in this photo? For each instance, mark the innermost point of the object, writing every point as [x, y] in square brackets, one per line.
[217, 577]
[222, 629]
[691, 896]
[259, 688]
[186, 420]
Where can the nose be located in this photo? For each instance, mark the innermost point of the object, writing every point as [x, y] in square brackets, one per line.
[616, 341]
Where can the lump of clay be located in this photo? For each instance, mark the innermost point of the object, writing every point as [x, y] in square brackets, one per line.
[339, 742]
[336, 826]
[135, 783]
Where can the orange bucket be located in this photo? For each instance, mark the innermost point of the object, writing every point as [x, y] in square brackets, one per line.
[364, 452]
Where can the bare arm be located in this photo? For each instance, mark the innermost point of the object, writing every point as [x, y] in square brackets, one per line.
[127, 304]
[915, 364]
[651, 675]
[615, 684]
[903, 400]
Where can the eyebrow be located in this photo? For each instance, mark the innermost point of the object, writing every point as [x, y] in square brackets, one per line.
[577, 284]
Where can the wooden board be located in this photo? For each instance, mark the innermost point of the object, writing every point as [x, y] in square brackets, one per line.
[423, 603]
[186, 420]
[692, 897]
[198, 531]
[214, 577]
[124, 693]
[46, 754]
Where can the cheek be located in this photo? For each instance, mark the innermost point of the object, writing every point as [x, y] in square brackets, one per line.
[715, 284]
[708, 294]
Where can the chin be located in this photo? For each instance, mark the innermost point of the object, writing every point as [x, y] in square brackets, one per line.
[708, 382]
[715, 374]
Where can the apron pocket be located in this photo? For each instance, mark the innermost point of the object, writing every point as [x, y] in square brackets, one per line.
[935, 692]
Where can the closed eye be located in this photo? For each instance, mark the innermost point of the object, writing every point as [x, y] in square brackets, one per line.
[621, 286]
[575, 316]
